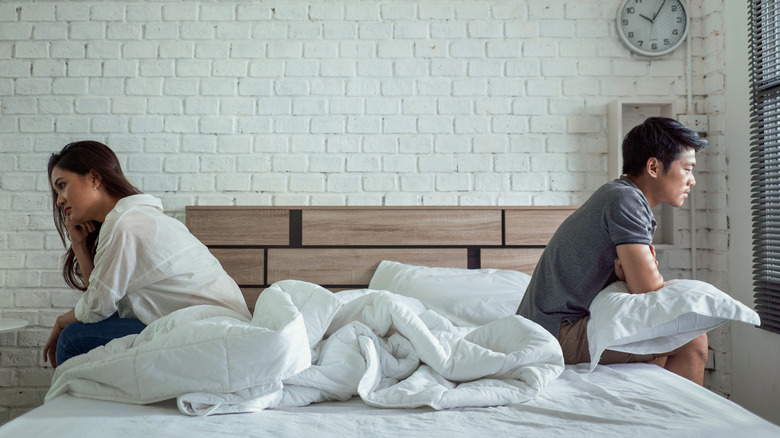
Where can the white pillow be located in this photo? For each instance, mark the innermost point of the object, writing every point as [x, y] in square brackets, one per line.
[660, 321]
[467, 297]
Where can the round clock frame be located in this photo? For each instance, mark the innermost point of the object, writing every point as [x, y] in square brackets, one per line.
[652, 27]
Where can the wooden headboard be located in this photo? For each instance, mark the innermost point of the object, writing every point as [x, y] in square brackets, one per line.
[340, 247]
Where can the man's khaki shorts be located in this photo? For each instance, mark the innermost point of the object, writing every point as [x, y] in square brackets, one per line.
[574, 343]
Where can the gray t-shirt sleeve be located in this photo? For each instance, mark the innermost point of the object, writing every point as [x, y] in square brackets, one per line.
[630, 221]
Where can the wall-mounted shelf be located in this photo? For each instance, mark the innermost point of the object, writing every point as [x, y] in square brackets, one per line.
[622, 115]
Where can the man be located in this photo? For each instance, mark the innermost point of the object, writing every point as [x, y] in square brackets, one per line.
[610, 238]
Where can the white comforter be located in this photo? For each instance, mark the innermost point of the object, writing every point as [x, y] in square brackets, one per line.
[306, 345]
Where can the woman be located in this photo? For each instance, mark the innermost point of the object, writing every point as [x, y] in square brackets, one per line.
[134, 263]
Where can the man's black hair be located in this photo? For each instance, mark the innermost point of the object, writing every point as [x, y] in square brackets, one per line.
[658, 137]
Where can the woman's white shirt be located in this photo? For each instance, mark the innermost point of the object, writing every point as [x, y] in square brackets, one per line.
[152, 263]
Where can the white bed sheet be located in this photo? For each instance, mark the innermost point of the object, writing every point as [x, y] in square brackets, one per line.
[618, 400]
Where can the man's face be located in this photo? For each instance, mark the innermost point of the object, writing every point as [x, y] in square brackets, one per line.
[676, 183]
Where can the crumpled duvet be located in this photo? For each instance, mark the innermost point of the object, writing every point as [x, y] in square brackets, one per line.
[306, 345]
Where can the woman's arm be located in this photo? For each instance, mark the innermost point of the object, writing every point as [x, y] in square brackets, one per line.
[78, 241]
[50, 349]
[86, 263]
[123, 241]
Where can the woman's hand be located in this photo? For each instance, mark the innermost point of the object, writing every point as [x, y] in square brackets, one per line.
[78, 242]
[50, 349]
[78, 232]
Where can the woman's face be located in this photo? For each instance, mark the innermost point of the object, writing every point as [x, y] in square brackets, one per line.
[76, 194]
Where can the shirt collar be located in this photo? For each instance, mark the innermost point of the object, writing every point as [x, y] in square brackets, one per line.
[626, 179]
[133, 201]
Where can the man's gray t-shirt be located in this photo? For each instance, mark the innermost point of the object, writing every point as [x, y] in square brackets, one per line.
[580, 258]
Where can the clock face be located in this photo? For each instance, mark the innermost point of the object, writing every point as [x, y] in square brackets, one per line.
[652, 27]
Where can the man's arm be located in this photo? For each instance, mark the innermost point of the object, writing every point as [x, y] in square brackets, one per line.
[639, 268]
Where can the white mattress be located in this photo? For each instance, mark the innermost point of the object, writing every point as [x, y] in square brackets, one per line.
[619, 400]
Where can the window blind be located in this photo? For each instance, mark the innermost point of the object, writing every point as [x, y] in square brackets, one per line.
[765, 158]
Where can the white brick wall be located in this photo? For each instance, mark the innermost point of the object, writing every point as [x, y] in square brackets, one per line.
[326, 103]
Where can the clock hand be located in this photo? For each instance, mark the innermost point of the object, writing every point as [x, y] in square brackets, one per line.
[648, 19]
[659, 9]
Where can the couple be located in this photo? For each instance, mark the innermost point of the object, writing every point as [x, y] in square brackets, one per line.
[135, 264]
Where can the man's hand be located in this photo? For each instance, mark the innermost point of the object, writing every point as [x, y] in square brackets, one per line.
[619, 270]
[638, 267]
[621, 275]
[652, 251]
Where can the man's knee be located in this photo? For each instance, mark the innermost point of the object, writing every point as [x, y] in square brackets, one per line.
[701, 346]
[697, 349]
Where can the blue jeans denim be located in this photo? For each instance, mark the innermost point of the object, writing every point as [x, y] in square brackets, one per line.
[79, 338]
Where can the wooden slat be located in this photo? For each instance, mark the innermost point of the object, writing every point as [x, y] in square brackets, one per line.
[352, 266]
[379, 227]
[239, 226]
[516, 259]
[250, 296]
[244, 265]
[533, 227]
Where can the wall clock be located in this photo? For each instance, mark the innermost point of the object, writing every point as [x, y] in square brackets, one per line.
[652, 27]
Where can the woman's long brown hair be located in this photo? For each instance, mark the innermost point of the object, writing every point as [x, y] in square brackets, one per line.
[82, 158]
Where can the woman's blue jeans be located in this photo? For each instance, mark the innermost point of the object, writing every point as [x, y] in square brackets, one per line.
[79, 338]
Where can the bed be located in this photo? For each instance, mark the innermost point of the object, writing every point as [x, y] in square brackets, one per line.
[341, 249]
